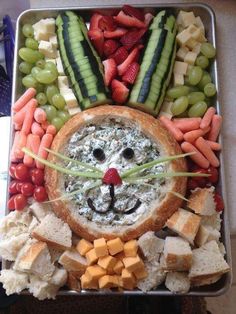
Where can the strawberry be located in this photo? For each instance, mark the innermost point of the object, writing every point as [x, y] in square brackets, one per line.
[97, 40]
[133, 12]
[119, 91]
[120, 55]
[94, 21]
[110, 47]
[122, 68]
[107, 23]
[116, 84]
[131, 73]
[219, 202]
[112, 177]
[115, 34]
[110, 70]
[128, 21]
[131, 38]
[147, 18]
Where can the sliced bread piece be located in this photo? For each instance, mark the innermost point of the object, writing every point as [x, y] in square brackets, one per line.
[177, 282]
[13, 281]
[54, 231]
[202, 202]
[9, 248]
[184, 223]
[73, 261]
[177, 254]
[206, 234]
[207, 261]
[151, 246]
[40, 210]
[155, 277]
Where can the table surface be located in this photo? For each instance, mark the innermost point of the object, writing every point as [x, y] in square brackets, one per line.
[226, 46]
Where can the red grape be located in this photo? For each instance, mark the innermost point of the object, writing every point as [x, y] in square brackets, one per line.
[20, 201]
[40, 194]
[37, 176]
[214, 175]
[10, 203]
[192, 184]
[12, 170]
[22, 172]
[12, 188]
[27, 189]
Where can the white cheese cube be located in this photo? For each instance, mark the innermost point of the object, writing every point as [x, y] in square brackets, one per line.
[191, 43]
[60, 68]
[188, 18]
[181, 53]
[69, 97]
[49, 24]
[73, 111]
[183, 37]
[190, 57]
[40, 31]
[199, 24]
[166, 109]
[62, 82]
[180, 67]
[197, 48]
[179, 19]
[196, 33]
[178, 79]
[53, 41]
[46, 48]
[50, 60]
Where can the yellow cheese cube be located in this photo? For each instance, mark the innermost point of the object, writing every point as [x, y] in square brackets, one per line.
[118, 267]
[178, 79]
[95, 272]
[183, 37]
[180, 67]
[87, 283]
[120, 255]
[131, 248]
[140, 273]
[181, 53]
[132, 263]
[188, 18]
[108, 282]
[128, 279]
[115, 246]
[190, 57]
[107, 262]
[91, 257]
[100, 247]
[191, 43]
[84, 246]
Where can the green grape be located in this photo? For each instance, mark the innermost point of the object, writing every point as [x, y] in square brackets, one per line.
[195, 75]
[25, 67]
[193, 89]
[31, 43]
[195, 97]
[178, 91]
[41, 98]
[58, 123]
[51, 66]
[206, 78]
[50, 91]
[210, 90]
[46, 76]
[28, 30]
[41, 64]
[202, 62]
[51, 112]
[58, 101]
[208, 50]
[35, 71]
[179, 105]
[40, 87]
[29, 81]
[63, 115]
[183, 115]
[198, 109]
[30, 55]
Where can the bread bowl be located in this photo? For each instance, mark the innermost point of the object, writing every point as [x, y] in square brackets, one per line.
[113, 129]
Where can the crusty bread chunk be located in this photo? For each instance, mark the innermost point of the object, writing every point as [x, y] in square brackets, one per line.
[206, 234]
[201, 201]
[73, 261]
[9, 248]
[73, 281]
[40, 210]
[208, 262]
[184, 223]
[177, 282]
[13, 281]
[177, 254]
[55, 254]
[206, 281]
[54, 231]
[15, 223]
[59, 277]
[150, 245]
[42, 289]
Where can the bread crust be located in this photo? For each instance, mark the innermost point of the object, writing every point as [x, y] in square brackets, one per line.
[152, 128]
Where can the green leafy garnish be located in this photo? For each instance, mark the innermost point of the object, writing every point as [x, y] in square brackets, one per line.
[168, 174]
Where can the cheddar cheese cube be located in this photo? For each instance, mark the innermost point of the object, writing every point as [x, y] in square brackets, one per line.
[140, 273]
[120, 256]
[118, 267]
[107, 262]
[87, 283]
[108, 282]
[95, 272]
[84, 246]
[91, 257]
[115, 246]
[100, 247]
[128, 279]
[131, 248]
[190, 57]
[132, 263]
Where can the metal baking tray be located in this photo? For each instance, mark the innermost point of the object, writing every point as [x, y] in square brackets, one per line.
[208, 17]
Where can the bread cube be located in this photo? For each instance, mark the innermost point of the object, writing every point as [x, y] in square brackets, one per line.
[177, 282]
[206, 234]
[202, 202]
[150, 245]
[115, 246]
[84, 246]
[131, 248]
[100, 247]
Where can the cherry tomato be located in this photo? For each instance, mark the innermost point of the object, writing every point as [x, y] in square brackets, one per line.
[12, 188]
[10, 203]
[27, 189]
[201, 181]
[12, 170]
[19, 185]
[219, 202]
[192, 184]
[37, 176]
[20, 201]
[40, 194]
[214, 175]
[22, 172]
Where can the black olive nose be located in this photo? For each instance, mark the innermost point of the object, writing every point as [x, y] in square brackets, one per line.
[128, 153]
[98, 153]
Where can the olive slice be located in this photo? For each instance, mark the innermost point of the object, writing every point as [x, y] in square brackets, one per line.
[128, 153]
[98, 153]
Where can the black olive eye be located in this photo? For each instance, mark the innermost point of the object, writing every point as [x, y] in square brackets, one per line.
[98, 153]
[128, 153]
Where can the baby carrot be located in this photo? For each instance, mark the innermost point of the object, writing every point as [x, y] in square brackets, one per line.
[15, 142]
[44, 125]
[205, 149]
[20, 144]
[214, 145]
[193, 135]
[46, 142]
[19, 117]
[187, 124]
[29, 116]
[178, 135]
[198, 158]
[33, 142]
[17, 126]
[22, 101]
[51, 129]
[206, 120]
[215, 128]
[37, 129]
[40, 115]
